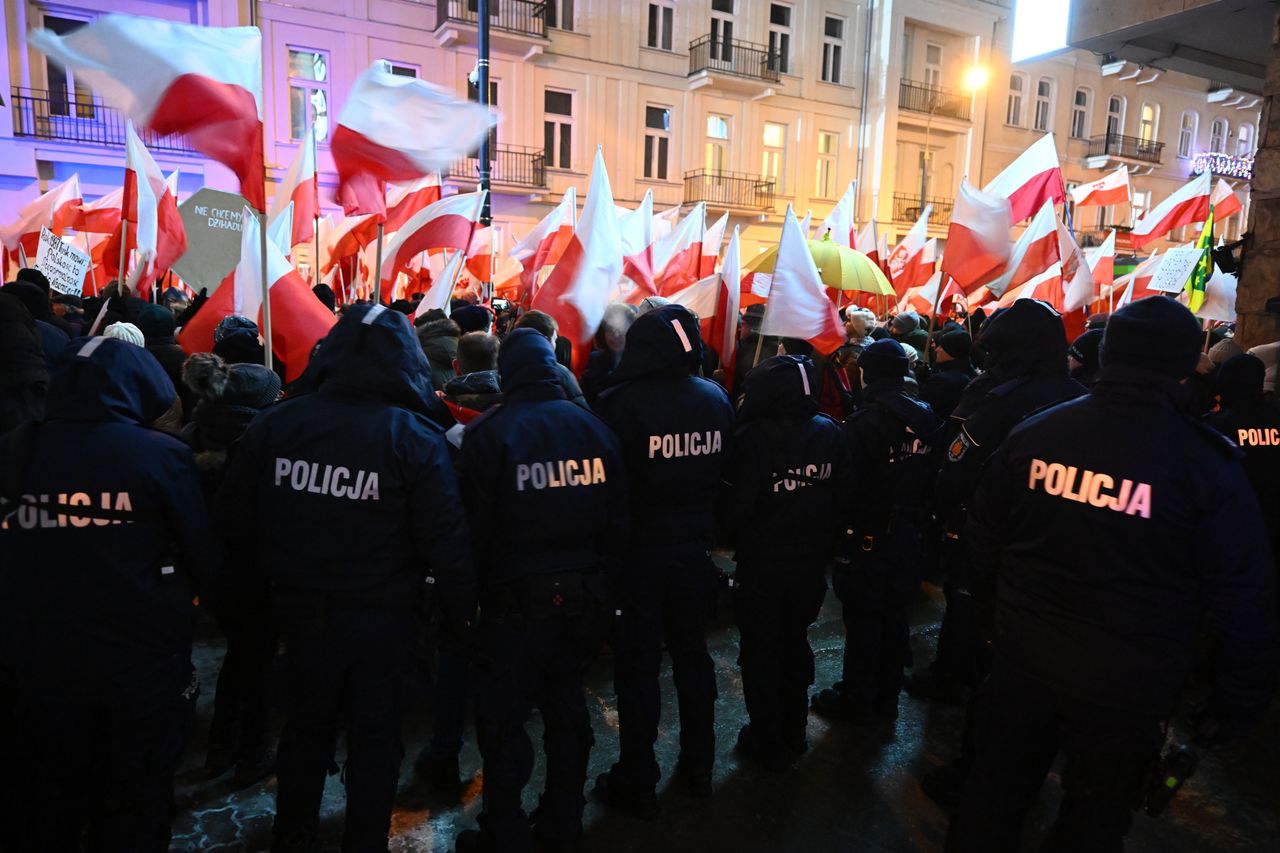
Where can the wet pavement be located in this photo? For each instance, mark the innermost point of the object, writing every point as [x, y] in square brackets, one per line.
[857, 789]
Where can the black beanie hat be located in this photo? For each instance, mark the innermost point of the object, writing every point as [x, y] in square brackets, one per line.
[1240, 380]
[34, 276]
[1155, 334]
[472, 318]
[1084, 349]
[326, 296]
[958, 345]
[884, 359]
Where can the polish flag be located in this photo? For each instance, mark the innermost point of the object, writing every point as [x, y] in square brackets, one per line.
[678, 256]
[447, 224]
[978, 238]
[1112, 188]
[150, 205]
[578, 289]
[298, 319]
[925, 298]
[665, 222]
[1031, 180]
[636, 231]
[1033, 254]
[280, 230]
[907, 263]
[396, 128]
[203, 82]
[1190, 203]
[1225, 202]
[57, 209]
[712, 240]
[1079, 288]
[724, 336]
[701, 298]
[348, 237]
[798, 304]
[406, 199]
[868, 243]
[480, 253]
[101, 216]
[546, 243]
[1045, 286]
[839, 222]
[1102, 261]
[442, 283]
[301, 188]
[1133, 286]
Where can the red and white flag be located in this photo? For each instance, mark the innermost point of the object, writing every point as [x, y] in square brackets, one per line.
[923, 299]
[150, 205]
[1133, 286]
[907, 263]
[57, 209]
[1102, 261]
[447, 224]
[578, 289]
[701, 298]
[1111, 188]
[839, 222]
[977, 239]
[103, 215]
[1190, 203]
[712, 240]
[635, 229]
[1225, 201]
[665, 222]
[1045, 286]
[396, 128]
[545, 244]
[203, 82]
[1078, 286]
[868, 243]
[301, 188]
[347, 238]
[724, 336]
[1034, 253]
[678, 256]
[798, 304]
[404, 200]
[1031, 180]
[438, 296]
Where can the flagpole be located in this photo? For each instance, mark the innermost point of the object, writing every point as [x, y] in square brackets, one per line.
[315, 180]
[268, 358]
[124, 257]
[315, 276]
[482, 91]
[375, 286]
[93, 274]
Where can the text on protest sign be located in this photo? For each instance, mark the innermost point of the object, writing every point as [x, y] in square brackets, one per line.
[1172, 274]
[62, 263]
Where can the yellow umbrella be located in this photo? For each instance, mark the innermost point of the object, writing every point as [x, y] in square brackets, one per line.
[839, 267]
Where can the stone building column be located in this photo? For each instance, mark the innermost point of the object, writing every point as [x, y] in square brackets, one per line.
[1260, 269]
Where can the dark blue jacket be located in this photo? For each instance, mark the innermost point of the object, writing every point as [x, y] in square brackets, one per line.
[789, 480]
[542, 479]
[675, 428]
[349, 490]
[1111, 523]
[106, 594]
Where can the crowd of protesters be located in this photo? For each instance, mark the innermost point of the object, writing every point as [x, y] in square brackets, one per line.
[443, 493]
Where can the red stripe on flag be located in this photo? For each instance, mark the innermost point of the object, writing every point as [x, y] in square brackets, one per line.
[1032, 195]
[364, 167]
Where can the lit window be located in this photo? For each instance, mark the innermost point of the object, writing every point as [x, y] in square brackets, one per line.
[308, 92]
[825, 184]
[717, 147]
[1149, 123]
[775, 142]
[933, 65]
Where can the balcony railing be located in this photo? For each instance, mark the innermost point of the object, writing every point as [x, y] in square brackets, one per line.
[906, 208]
[75, 118]
[923, 98]
[525, 17]
[512, 165]
[1133, 147]
[729, 189]
[737, 58]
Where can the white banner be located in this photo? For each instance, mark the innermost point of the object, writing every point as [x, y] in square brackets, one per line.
[62, 263]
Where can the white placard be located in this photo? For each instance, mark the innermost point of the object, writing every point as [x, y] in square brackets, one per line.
[62, 263]
[1175, 268]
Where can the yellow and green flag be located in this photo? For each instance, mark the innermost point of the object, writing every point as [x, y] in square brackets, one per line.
[1203, 270]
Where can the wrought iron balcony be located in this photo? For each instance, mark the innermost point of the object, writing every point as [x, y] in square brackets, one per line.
[934, 100]
[735, 58]
[729, 189]
[524, 17]
[906, 208]
[512, 165]
[1132, 147]
[71, 117]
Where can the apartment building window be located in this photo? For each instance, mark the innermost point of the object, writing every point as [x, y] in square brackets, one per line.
[1017, 94]
[67, 95]
[1115, 116]
[722, 30]
[308, 92]
[1187, 134]
[1138, 205]
[1244, 141]
[832, 48]
[1218, 136]
[780, 36]
[661, 21]
[825, 185]
[557, 128]
[1149, 122]
[1044, 103]
[473, 95]
[1080, 114]
[560, 14]
[401, 70]
[775, 152]
[657, 141]
[933, 65]
[717, 147]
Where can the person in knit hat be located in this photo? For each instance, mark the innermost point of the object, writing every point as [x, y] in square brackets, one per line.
[1082, 356]
[157, 326]
[126, 332]
[904, 324]
[952, 372]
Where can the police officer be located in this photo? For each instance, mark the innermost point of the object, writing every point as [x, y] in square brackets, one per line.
[1093, 645]
[786, 492]
[675, 430]
[544, 486]
[951, 374]
[103, 545]
[890, 440]
[346, 499]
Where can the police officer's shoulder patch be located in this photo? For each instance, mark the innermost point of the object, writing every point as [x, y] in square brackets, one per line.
[959, 446]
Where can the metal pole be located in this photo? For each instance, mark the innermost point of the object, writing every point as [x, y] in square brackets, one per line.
[375, 286]
[121, 273]
[267, 356]
[924, 158]
[482, 86]
[315, 266]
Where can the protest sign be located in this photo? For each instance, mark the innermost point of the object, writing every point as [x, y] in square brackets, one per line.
[62, 263]
[1174, 270]
[212, 221]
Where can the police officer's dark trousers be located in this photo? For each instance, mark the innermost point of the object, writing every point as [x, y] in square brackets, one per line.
[241, 724]
[1021, 725]
[668, 594]
[774, 604]
[535, 642]
[346, 666]
[961, 656]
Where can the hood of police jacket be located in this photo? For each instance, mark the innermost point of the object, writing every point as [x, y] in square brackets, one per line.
[1027, 337]
[894, 394]
[663, 342]
[105, 379]
[527, 364]
[780, 387]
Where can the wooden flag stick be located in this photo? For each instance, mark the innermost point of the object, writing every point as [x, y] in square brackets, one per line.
[122, 273]
[268, 358]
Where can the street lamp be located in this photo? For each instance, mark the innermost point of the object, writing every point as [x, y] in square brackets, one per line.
[975, 80]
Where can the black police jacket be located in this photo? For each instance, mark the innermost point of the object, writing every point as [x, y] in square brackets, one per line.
[542, 478]
[945, 385]
[107, 590]
[349, 490]
[1110, 523]
[675, 428]
[1256, 429]
[789, 480]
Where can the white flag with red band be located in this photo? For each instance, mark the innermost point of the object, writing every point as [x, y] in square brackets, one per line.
[442, 280]
[725, 338]
[839, 222]
[1036, 251]
[406, 199]
[907, 263]
[102, 215]
[635, 229]
[978, 237]
[203, 82]
[396, 128]
[447, 224]
[678, 256]
[1111, 188]
[868, 243]
[1225, 201]
[798, 304]
[1078, 286]
[301, 189]
[545, 244]
[1031, 180]
[665, 222]
[700, 297]
[1101, 261]
[57, 209]
[712, 240]
[1190, 203]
